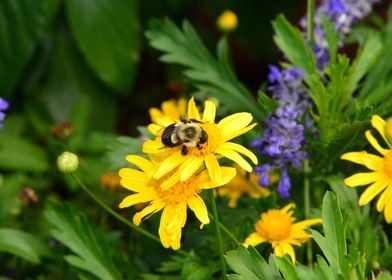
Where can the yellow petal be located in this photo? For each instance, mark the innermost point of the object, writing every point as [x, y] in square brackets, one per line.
[372, 191]
[388, 211]
[138, 198]
[155, 129]
[213, 168]
[236, 157]
[379, 124]
[153, 147]
[144, 164]
[171, 181]
[155, 114]
[190, 166]
[197, 205]
[193, 112]
[169, 108]
[209, 112]
[169, 164]
[307, 223]
[235, 125]
[241, 149]
[205, 182]
[374, 142]
[284, 248]
[134, 180]
[254, 239]
[154, 207]
[371, 161]
[384, 197]
[364, 178]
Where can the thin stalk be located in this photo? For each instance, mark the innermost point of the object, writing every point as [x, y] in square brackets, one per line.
[225, 230]
[121, 218]
[309, 250]
[310, 27]
[218, 233]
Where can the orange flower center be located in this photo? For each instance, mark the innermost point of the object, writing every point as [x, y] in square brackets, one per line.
[388, 163]
[212, 144]
[274, 225]
[180, 192]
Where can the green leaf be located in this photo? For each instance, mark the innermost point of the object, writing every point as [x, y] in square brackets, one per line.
[10, 202]
[194, 271]
[207, 73]
[22, 244]
[384, 275]
[286, 267]
[75, 232]
[249, 265]
[333, 244]
[21, 23]
[290, 40]
[118, 150]
[107, 33]
[19, 154]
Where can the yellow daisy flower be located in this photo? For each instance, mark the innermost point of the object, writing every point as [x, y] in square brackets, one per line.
[243, 184]
[173, 202]
[276, 226]
[380, 175]
[170, 108]
[217, 145]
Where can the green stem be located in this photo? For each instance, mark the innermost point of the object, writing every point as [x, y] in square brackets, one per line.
[218, 232]
[310, 27]
[225, 230]
[309, 250]
[121, 218]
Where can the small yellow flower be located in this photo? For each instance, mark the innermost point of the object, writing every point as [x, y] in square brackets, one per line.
[170, 108]
[173, 202]
[277, 227]
[227, 21]
[110, 180]
[218, 145]
[380, 176]
[243, 183]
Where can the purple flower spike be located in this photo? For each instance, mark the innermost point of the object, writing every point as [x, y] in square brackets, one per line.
[3, 106]
[284, 184]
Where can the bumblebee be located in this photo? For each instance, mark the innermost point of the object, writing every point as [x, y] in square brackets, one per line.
[187, 133]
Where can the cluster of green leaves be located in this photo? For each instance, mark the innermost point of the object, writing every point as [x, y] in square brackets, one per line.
[344, 99]
[336, 261]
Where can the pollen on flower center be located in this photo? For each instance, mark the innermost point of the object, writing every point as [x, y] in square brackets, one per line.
[274, 225]
[180, 192]
[388, 163]
[213, 142]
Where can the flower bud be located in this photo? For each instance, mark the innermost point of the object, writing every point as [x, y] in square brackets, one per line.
[227, 21]
[68, 162]
[388, 131]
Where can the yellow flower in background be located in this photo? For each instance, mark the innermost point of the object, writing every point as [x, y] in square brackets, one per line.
[244, 183]
[173, 202]
[183, 166]
[227, 21]
[380, 175]
[277, 227]
[170, 108]
[110, 180]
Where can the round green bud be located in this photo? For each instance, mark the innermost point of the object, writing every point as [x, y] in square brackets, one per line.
[68, 162]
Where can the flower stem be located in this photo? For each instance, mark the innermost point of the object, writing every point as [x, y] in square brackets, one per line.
[310, 27]
[218, 232]
[121, 218]
[309, 251]
[226, 230]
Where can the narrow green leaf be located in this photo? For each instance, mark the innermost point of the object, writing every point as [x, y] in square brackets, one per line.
[250, 265]
[290, 40]
[75, 232]
[286, 267]
[118, 150]
[107, 33]
[22, 244]
[207, 73]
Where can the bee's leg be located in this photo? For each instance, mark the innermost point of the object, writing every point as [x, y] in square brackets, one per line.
[184, 150]
[198, 146]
